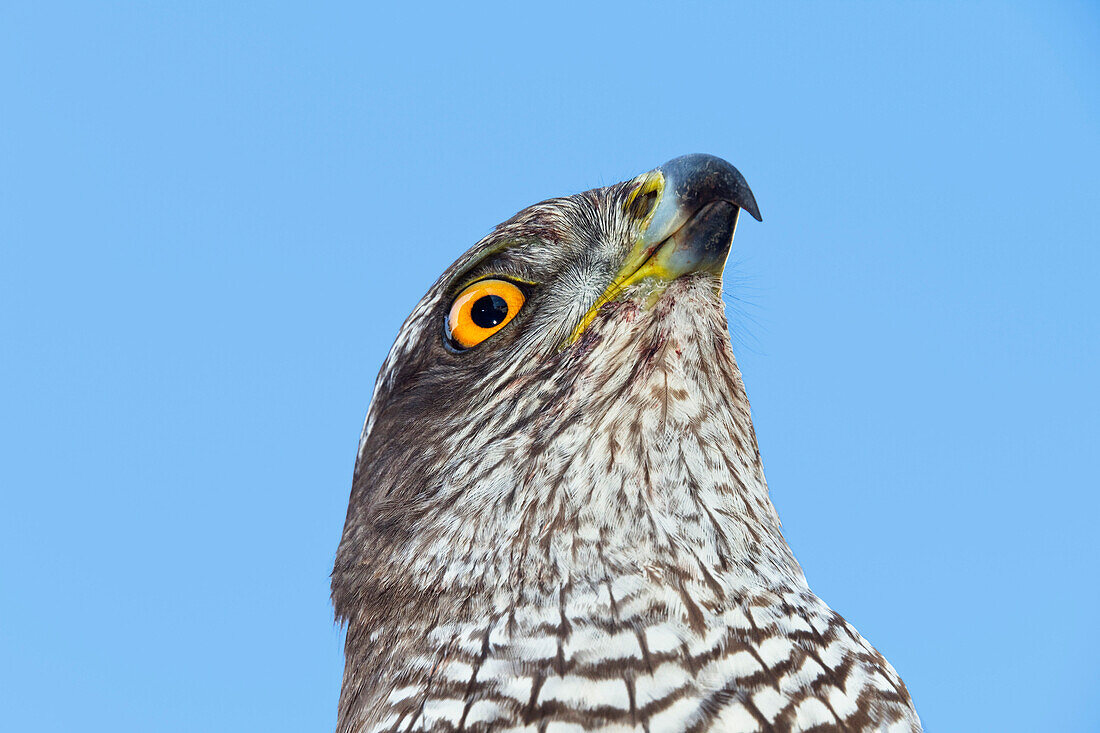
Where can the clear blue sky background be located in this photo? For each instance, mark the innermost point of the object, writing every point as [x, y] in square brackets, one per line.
[214, 217]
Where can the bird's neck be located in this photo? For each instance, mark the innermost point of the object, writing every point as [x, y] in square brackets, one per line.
[620, 490]
[646, 469]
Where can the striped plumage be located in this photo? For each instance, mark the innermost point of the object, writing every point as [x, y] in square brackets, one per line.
[558, 534]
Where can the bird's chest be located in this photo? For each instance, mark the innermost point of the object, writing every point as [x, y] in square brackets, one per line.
[621, 655]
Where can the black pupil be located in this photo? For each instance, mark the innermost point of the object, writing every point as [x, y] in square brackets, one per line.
[489, 311]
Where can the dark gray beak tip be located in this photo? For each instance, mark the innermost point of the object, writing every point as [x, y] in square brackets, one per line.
[751, 207]
[699, 179]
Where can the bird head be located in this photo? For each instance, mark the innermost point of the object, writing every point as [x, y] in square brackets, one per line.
[559, 506]
[580, 334]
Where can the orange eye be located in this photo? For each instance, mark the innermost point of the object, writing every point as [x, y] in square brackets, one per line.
[481, 310]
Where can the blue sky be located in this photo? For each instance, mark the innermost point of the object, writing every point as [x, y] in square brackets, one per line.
[214, 217]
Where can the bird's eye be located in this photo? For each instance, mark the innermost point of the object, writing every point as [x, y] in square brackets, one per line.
[481, 310]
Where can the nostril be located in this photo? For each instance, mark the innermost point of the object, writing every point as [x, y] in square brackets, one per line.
[643, 204]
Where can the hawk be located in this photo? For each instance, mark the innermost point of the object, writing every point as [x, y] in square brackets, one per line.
[558, 517]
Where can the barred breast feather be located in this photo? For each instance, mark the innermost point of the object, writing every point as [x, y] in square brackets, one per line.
[626, 657]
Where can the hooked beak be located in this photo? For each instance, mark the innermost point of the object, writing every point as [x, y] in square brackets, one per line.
[689, 208]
